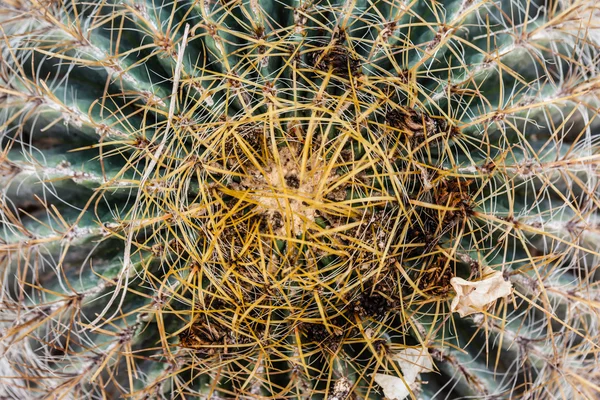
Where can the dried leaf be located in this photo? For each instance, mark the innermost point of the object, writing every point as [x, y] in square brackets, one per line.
[474, 297]
[412, 362]
[393, 387]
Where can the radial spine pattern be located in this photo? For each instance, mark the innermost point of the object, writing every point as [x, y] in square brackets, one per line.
[259, 199]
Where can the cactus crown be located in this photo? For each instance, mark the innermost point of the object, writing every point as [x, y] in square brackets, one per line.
[307, 199]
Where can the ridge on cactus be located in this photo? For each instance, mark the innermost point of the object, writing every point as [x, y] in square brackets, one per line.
[326, 199]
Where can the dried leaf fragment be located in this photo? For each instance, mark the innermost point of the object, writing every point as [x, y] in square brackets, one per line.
[394, 388]
[412, 362]
[474, 297]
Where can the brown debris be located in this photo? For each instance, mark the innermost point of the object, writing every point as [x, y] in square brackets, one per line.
[372, 304]
[435, 280]
[339, 59]
[201, 335]
[411, 122]
[454, 193]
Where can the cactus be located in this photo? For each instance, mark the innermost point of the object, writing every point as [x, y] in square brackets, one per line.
[257, 199]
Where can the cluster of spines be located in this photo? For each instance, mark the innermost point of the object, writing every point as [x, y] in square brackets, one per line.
[565, 230]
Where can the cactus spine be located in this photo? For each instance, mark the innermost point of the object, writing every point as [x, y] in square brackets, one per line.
[257, 199]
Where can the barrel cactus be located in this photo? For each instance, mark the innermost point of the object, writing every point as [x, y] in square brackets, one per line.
[326, 199]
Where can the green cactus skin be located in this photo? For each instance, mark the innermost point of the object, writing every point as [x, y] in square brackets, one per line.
[258, 199]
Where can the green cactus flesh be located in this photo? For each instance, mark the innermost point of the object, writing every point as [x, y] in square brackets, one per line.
[259, 199]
